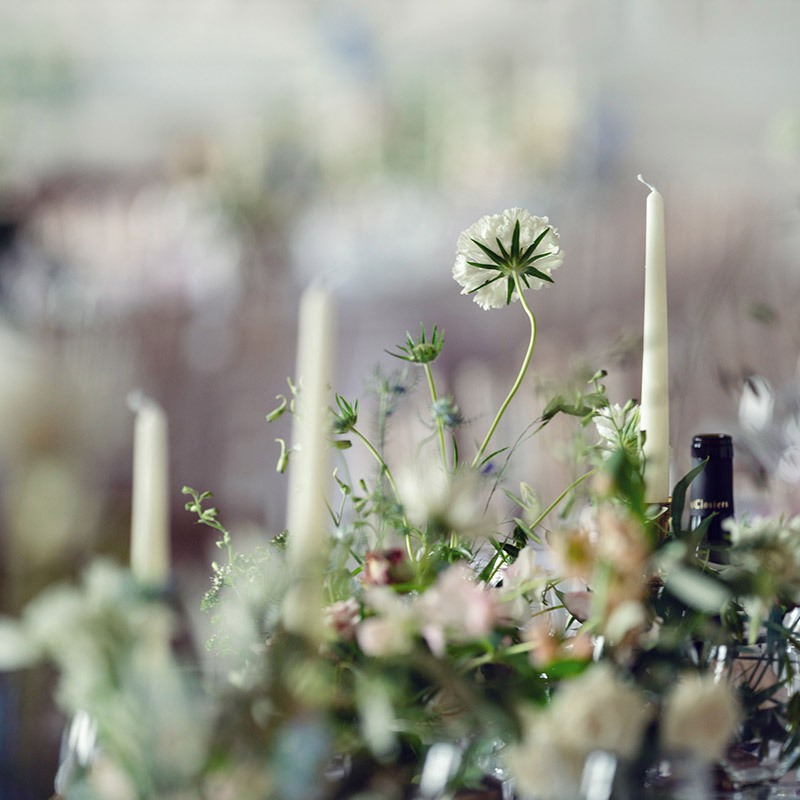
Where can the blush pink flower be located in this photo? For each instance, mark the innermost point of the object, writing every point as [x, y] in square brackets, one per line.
[457, 607]
[341, 618]
[386, 567]
[393, 628]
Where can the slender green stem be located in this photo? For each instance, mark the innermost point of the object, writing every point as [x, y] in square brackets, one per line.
[518, 382]
[384, 467]
[574, 484]
[439, 423]
[409, 548]
[381, 463]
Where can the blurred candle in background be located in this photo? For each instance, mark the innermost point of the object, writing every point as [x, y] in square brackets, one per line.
[308, 519]
[150, 555]
[655, 355]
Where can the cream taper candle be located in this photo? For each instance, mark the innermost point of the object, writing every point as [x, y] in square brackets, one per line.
[309, 474]
[654, 421]
[150, 512]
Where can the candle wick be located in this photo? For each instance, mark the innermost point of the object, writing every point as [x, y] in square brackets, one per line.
[648, 185]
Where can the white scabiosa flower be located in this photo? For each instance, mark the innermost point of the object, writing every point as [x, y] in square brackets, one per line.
[700, 717]
[490, 252]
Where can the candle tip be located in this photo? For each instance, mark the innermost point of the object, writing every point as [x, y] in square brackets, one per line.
[137, 400]
[642, 180]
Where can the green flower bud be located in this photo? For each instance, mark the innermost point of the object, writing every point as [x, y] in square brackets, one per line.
[423, 351]
[283, 458]
[278, 412]
[346, 417]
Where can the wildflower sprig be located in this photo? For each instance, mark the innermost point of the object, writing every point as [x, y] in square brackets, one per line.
[423, 350]
[497, 260]
[345, 419]
[223, 573]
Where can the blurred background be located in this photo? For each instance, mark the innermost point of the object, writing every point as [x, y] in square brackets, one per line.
[173, 174]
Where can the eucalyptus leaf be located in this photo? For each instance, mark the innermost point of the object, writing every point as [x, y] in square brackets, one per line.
[696, 589]
[679, 496]
[555, 405]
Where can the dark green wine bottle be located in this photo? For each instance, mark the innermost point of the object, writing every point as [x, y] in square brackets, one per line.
[712, 492]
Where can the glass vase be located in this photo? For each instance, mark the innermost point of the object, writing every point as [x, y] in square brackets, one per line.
[766, 675]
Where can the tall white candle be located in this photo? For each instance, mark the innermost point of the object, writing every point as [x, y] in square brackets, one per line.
[150, 558]
[655, 356]
[309, 473]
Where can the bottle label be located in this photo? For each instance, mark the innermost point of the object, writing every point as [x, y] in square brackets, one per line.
[698, 504]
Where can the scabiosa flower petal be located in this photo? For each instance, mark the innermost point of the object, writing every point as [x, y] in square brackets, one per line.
[489, 253]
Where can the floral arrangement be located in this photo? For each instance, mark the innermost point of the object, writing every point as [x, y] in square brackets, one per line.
[475, 637]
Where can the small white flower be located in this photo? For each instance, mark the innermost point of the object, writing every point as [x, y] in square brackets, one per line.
[599, 711]
[595, 711]
[540, 768]
[520, 579]
[383, 636]
[525, 569]
[769, 547]
[700, 717]
[445, 503]
[498, 245]
[110, 780]
[618, 427]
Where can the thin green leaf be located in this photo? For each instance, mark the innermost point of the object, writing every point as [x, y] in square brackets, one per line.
[679, 496]
[537, 273]
[487, 459]
[537, 257]
[515, 241]
[489, 252]
[536, 242]
[503, 251]
[483, 285]
[696, 589]
[483, 266]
